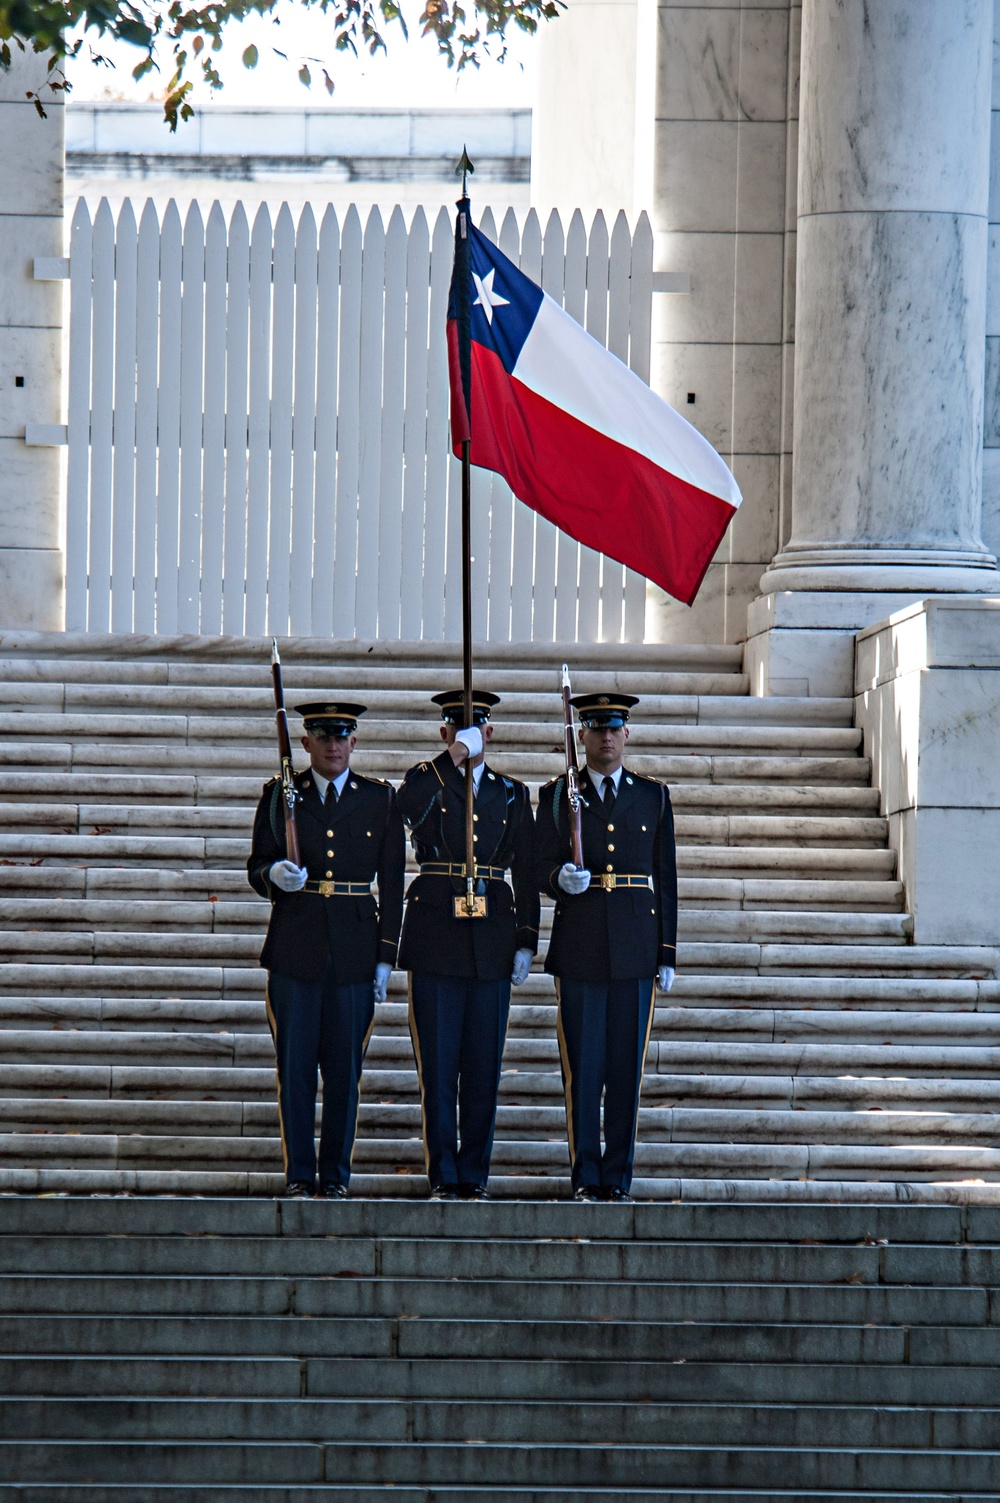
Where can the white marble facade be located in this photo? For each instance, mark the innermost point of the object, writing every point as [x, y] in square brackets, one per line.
[727, 77]
[31, 224]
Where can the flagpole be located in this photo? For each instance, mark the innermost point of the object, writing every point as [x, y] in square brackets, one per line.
[463, 267]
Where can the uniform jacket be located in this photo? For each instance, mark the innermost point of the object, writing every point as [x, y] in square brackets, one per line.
[628, 932]
[365, 833]
[432, 802]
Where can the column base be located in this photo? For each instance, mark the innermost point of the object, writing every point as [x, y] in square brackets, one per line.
[801, 642]
[913, 571]
[32, 589]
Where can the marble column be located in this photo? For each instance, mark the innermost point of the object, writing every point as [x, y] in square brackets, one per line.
[889, 327]
[31, 321]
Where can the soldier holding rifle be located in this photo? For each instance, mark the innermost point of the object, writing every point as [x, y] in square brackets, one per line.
[462, 955]
[610, 864]
[320, 839]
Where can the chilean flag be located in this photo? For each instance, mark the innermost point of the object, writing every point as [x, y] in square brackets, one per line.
[574, 432]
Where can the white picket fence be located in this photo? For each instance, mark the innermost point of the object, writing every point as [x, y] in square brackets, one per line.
[258, 429]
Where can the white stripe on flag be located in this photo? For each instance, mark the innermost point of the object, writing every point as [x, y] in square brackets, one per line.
[561, 362]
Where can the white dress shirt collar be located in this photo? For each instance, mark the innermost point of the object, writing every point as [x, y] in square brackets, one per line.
[322, 784]
[598, 779]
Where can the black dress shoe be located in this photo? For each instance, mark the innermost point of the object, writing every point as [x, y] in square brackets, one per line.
[616, 1194]
[444, 1192]
[332, 1191]
[298, 1189]
[586, 1192]
[473, 1192]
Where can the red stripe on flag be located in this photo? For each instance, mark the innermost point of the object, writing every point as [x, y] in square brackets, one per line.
[600, 492]
[459, 415]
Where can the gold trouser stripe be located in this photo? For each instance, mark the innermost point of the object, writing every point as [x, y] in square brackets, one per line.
[415, 1040]
[567, 1075]
[642, 1060]
[272, 1023]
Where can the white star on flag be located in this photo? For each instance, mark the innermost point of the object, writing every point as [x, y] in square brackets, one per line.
[488, 299]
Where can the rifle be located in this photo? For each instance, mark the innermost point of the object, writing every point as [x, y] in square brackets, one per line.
[290, 793]
[572, 775]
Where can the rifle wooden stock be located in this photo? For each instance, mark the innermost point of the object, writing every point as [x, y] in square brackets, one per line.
[288, 789]
[572, 775]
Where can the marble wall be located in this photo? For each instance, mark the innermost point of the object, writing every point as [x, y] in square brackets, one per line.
[31, 315]
[991, 425]
[724, 210]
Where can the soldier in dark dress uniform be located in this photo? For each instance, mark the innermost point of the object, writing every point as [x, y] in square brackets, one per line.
[614, 933]
[461, 969]
[330, 947]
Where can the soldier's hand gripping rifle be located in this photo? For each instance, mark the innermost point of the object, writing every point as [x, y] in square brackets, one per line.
[290, 793]
[572, 775]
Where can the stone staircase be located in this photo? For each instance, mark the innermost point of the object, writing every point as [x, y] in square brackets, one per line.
[258, 1351]
[808, 1050]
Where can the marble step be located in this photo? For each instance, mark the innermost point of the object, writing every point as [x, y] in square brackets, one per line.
[229, 886]
[934, 1125]
[37, 927]
[747, 862]
[522, 714]
[728, 961]
[533, 1007]
[145, 821]
[667, 1056]
[430, 1295]
[402, 1158]
[45, 674]
[193, 653]
[127, 758]
[177, 791]
[512, 741]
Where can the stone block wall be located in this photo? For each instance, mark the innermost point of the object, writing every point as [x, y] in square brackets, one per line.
[725, 210]
[991, 429]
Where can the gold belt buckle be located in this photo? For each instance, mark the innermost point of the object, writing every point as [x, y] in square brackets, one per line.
[608, 881]
[326, 889]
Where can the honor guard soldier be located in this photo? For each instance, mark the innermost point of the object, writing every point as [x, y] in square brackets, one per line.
[614, 932]
[461, 967]
[330, 948]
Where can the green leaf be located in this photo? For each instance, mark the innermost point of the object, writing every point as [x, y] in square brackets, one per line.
[305, 76]
[250, 57]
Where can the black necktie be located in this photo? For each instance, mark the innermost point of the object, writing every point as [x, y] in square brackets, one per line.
[331, 795]
[609, 794]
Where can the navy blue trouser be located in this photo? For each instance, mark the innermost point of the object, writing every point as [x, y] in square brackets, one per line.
[458, 1029]
[318, 1026]
[603, 1037]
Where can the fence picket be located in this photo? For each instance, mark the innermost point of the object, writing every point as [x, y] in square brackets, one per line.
[259, 427]
[169, 421]
[146, 352]
[192, 407]
[327, 351]
[640, 339]
[418, 258]
[123, 457]
[81, 262]
[214, 455]
[390, 509]
[282, 369]
[237, 419]
[102, 419]
[303, 428]
[345, 556]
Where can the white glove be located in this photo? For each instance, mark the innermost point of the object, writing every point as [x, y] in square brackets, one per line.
[573, 880]
[666, 977]
[472, 739]
[522, 965]
[382, 974]
[288, 876]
